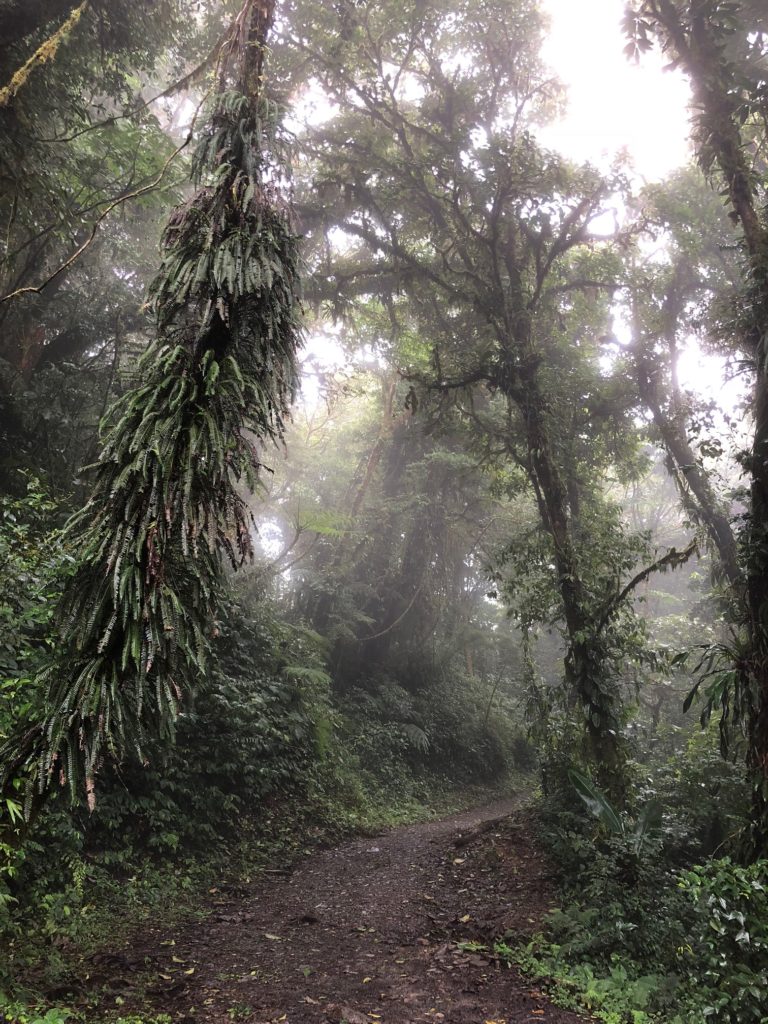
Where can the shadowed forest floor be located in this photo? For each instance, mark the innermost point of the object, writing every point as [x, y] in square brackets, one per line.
[376, 931]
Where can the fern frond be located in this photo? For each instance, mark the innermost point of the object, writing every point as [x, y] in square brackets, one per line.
[164, 511]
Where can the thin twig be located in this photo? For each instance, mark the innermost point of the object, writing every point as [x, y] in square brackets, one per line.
[399, 619]
[137, 193]
[177, 86]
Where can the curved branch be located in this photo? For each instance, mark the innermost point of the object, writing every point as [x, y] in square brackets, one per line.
[398, 620]
[671, 560]
[36, 289]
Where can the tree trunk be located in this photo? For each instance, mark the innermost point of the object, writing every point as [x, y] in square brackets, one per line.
[722, 102]
[757, 590]
[584, 662]
[695, 489]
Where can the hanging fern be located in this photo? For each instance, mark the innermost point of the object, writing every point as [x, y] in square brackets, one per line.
[216, 382]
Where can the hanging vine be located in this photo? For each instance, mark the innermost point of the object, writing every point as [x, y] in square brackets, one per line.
[166, 509]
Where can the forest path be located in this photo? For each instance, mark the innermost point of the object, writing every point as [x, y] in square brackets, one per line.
[370, 932]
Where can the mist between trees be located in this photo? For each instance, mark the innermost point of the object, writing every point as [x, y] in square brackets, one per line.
[381, 486]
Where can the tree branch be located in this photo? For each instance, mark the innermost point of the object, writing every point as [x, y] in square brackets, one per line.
[36, 289]
[671, 560]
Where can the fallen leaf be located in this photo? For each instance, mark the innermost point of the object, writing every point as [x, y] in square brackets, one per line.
[465, 919]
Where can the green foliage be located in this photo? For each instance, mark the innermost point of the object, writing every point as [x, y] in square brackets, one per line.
[616, 903]
[256, 773]
[638, 834]
[250, 743]
[403, 741]
[706, 798]
[482, 254]
[423, 666]
[135, 620]
[18, 1013]
[467, 252]
[596, 802]
[78, 137]
[728, 948]
[722, 47]
[637, 938]
[614, 997]
[720, 677]
[32, 569]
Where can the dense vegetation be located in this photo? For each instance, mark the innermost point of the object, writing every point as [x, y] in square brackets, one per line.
[479, 528]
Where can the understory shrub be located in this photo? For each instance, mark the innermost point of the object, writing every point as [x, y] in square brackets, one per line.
[706, 799]
[726, 953]
[32, 566]
[638, 937]
[448, 728]
[251, 742]
[618, 903]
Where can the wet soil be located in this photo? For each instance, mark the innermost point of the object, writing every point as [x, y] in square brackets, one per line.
[382, 930]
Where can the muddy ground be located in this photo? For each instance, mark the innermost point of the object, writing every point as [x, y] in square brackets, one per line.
[375, 931]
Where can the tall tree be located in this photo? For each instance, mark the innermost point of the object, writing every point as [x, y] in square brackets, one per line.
[722, 47]
[215, 382]
[432, 172]
[674, 293]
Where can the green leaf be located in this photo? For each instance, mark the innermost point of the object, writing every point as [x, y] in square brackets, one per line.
[596, 802]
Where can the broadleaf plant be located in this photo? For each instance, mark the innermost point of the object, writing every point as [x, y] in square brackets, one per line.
[637, 832]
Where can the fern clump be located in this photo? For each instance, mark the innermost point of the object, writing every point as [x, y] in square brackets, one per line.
[215, 383]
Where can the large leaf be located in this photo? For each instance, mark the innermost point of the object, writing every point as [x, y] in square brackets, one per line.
[416, 736]
[596, 802]
[648, 821]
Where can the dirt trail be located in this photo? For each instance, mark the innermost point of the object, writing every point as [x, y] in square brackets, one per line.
[370, 932]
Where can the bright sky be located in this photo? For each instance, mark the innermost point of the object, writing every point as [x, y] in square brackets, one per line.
[613, 104]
